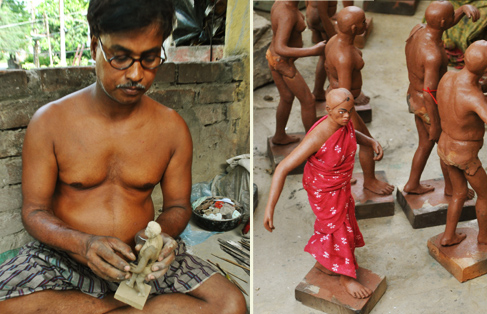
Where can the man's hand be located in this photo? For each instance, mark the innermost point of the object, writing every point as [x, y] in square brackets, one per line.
[102, 258]
[166, 257]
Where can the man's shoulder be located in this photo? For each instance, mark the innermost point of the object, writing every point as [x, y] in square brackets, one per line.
[163, 113]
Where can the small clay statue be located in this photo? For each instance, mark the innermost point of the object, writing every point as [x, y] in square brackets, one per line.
[329, 148]
[318, 18]
[343, 65]
[149, 253]
[286, 46]
[427, 63]
[463, 112]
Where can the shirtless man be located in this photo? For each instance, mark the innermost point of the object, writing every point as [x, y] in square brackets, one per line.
[343, 64]
[463, 112]
[318, 18]
[286, 46]
[427, 62]
[90, 163]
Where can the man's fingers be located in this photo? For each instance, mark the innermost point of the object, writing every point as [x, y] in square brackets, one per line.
[159, 269]
[122, 248]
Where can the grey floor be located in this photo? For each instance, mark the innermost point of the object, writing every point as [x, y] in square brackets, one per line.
[416, 282]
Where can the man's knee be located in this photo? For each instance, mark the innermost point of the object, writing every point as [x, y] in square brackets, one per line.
[234, 303]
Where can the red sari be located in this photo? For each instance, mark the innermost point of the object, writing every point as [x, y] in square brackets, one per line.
[326, 178]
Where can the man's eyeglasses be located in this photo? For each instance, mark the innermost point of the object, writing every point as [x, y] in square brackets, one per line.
[123, 62]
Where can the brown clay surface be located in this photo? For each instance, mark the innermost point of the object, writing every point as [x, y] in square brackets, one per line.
[430, 209]
[464, 261]
[368, 204]
[323, 292]
[277, 153]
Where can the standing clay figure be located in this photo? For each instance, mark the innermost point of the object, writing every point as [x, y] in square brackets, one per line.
[286, 46]
[329, 147]
[318, 18]
[343, 64]
[427, 63]
[463, 112]
[148, 254]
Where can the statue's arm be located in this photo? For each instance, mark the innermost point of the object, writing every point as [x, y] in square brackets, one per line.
[145, 257]
[469, 10]
[430, 84]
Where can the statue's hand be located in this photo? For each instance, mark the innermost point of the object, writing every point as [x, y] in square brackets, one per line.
[379, 152]
[166, 257]
[471, 12]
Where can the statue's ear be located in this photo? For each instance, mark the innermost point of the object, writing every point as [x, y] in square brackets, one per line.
[354, 29]
[442, 24]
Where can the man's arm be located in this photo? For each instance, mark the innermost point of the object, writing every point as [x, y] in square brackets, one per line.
[432, 67]
[39, 177]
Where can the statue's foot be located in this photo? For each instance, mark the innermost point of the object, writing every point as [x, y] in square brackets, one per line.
[353, 181]
[361, 100]
[419, 189]
[449, 241]
[320, 96]
[284, 140]
[355, 288]
[378, 187]
[470, 193]
[325, 270]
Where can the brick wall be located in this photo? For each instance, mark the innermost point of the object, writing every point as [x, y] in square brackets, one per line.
[211, 97]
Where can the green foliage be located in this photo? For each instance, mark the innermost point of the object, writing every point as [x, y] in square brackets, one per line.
[15, 37]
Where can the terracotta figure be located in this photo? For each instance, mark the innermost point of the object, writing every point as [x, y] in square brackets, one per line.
[463, 112]
[318, 18]
[286, 46]
[343, 64]
[90, 163]
[148, 255]
[329, 148]
[427, 62]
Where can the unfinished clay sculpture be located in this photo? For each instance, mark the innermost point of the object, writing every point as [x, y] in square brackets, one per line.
[286, 46]
[427, 63]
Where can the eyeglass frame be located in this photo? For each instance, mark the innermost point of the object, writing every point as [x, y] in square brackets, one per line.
[133, 59]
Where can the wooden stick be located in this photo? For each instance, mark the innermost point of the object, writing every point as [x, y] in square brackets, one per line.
[229, 261]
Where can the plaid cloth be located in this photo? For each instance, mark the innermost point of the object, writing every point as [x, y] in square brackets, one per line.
[39, 267]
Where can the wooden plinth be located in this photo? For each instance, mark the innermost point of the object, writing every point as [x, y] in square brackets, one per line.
[277, 153]
[466, 260]
[325, 293]
[368, 204]
[365, 112]
[429, 209]
[401, 7]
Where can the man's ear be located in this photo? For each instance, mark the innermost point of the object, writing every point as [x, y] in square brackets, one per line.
[93, 47]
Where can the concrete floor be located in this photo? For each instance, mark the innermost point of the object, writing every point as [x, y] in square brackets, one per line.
[416, 282]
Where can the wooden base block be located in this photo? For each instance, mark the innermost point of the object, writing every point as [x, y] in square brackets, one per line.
[129, 296]
[429, 209]
[401, 7]
[365, 112]
[368, 204]
[325, 293]
[277, 153]
[466, 260]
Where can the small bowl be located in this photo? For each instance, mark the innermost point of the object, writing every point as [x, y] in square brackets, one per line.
[217, 225]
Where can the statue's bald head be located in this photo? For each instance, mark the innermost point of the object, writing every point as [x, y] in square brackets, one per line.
[438, 13]
[350, 18]
[338, 96]
[476, 57]
[153, 229]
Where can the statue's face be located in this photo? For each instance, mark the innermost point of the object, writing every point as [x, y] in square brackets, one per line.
[342, 113]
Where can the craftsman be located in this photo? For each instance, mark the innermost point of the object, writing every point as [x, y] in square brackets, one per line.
[329, 148]
[90, 163]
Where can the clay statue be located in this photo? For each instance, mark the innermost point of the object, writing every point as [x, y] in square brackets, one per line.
[286, 46]
[148, 254]
[318, 18]
[427, 63]
[343, 64]
[463, 112]
[329, 148]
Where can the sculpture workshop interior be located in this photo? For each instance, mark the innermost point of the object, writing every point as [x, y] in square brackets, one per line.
[144, 203]
[416, 73]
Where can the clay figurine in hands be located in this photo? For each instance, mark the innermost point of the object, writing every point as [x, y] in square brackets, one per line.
[286, 46]
[148, 254]
[463, 112]
[427, 62]
[343, 65]
[318, 18]
[329, 148]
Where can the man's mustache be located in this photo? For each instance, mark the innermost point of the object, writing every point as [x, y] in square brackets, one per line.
[131, 85]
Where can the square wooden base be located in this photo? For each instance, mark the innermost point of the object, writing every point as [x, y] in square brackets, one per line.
[129, 296]
[325, 293]
[429, 209]
[466, 260]
[368, 204]
[401, 7]
[277, 153]
[365, 112]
